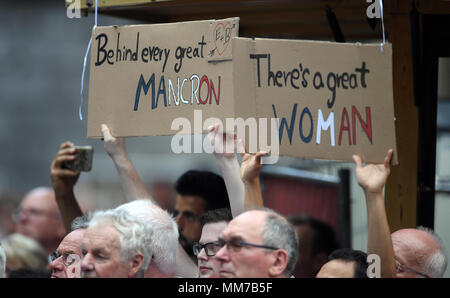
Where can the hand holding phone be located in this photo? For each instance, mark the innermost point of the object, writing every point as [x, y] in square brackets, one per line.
[83, 160]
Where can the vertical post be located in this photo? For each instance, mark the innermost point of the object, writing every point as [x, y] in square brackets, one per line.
[401, 187]
[432, 45]
[344, 215]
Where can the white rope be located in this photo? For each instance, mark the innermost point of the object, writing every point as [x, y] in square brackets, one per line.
[84, 66]
[382, 24]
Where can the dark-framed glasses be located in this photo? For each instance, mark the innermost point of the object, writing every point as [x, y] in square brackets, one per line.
[211, 248]
[399, 267]
[235, 244]
[67, 258]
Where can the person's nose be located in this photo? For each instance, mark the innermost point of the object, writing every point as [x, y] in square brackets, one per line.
[180, 222]
[57, 265]
[22, 216]
[223, 254]
[86, 263]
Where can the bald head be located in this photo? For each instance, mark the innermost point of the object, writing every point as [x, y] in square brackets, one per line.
[39, 218]
[420, 250]
[43, 196]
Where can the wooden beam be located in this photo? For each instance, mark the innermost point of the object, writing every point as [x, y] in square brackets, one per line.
[304, 19]
[85, 4]
[401, 188]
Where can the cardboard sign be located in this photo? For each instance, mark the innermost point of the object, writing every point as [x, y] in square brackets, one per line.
[332, 99]
[142, 77]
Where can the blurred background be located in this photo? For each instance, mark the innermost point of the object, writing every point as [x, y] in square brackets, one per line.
[41, 58]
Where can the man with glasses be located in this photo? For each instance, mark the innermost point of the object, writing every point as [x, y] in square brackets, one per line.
[407, 252]
[65, 260]
[418, 253]
[38, 217]
[213, 222]
[258, 243]
[197, 192]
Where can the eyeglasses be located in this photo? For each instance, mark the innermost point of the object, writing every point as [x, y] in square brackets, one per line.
[68, 259]
[211, 248]
[30, 212]
[236, 245]
[399, 267]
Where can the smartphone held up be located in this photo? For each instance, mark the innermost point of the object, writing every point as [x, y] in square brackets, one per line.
[83, 160]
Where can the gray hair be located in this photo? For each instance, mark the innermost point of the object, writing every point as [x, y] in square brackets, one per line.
[134, 235]
[2, 262]
[81, 222]
[436, 264]
[164, 241]
[278, 232]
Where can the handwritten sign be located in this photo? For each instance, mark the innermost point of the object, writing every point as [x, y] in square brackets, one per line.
[142, 77]
[332, 99]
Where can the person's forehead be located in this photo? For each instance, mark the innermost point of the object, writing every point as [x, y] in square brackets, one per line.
[72, 242]
[338, 268]
[248, 226]
[212, 231]
[190, 203]
[101, 236]
[42, 200]
[410, 248]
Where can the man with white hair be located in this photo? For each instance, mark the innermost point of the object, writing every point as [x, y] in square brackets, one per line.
[419, 253]
[406, 252]
[66, 259]
[164, 241]
[115, 246]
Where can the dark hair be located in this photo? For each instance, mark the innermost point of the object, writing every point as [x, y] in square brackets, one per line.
[216, 215]
[207, 185]
[350, 255]
[324, 238]
[81, 222]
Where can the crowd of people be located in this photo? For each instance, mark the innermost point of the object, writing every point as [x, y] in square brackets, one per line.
[219, 228]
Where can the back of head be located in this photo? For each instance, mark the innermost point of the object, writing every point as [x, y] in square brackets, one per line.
[216, 215]
[350, 255]
[24, 252]
[422, 250]
[207, 185]
[324, 237]
[278, 232]
[81, 222]
[164, 241]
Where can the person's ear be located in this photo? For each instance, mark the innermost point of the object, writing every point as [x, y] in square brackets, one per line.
[136, 264]
[279, 264]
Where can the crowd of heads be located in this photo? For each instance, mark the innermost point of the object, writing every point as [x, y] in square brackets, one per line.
[140, 239]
